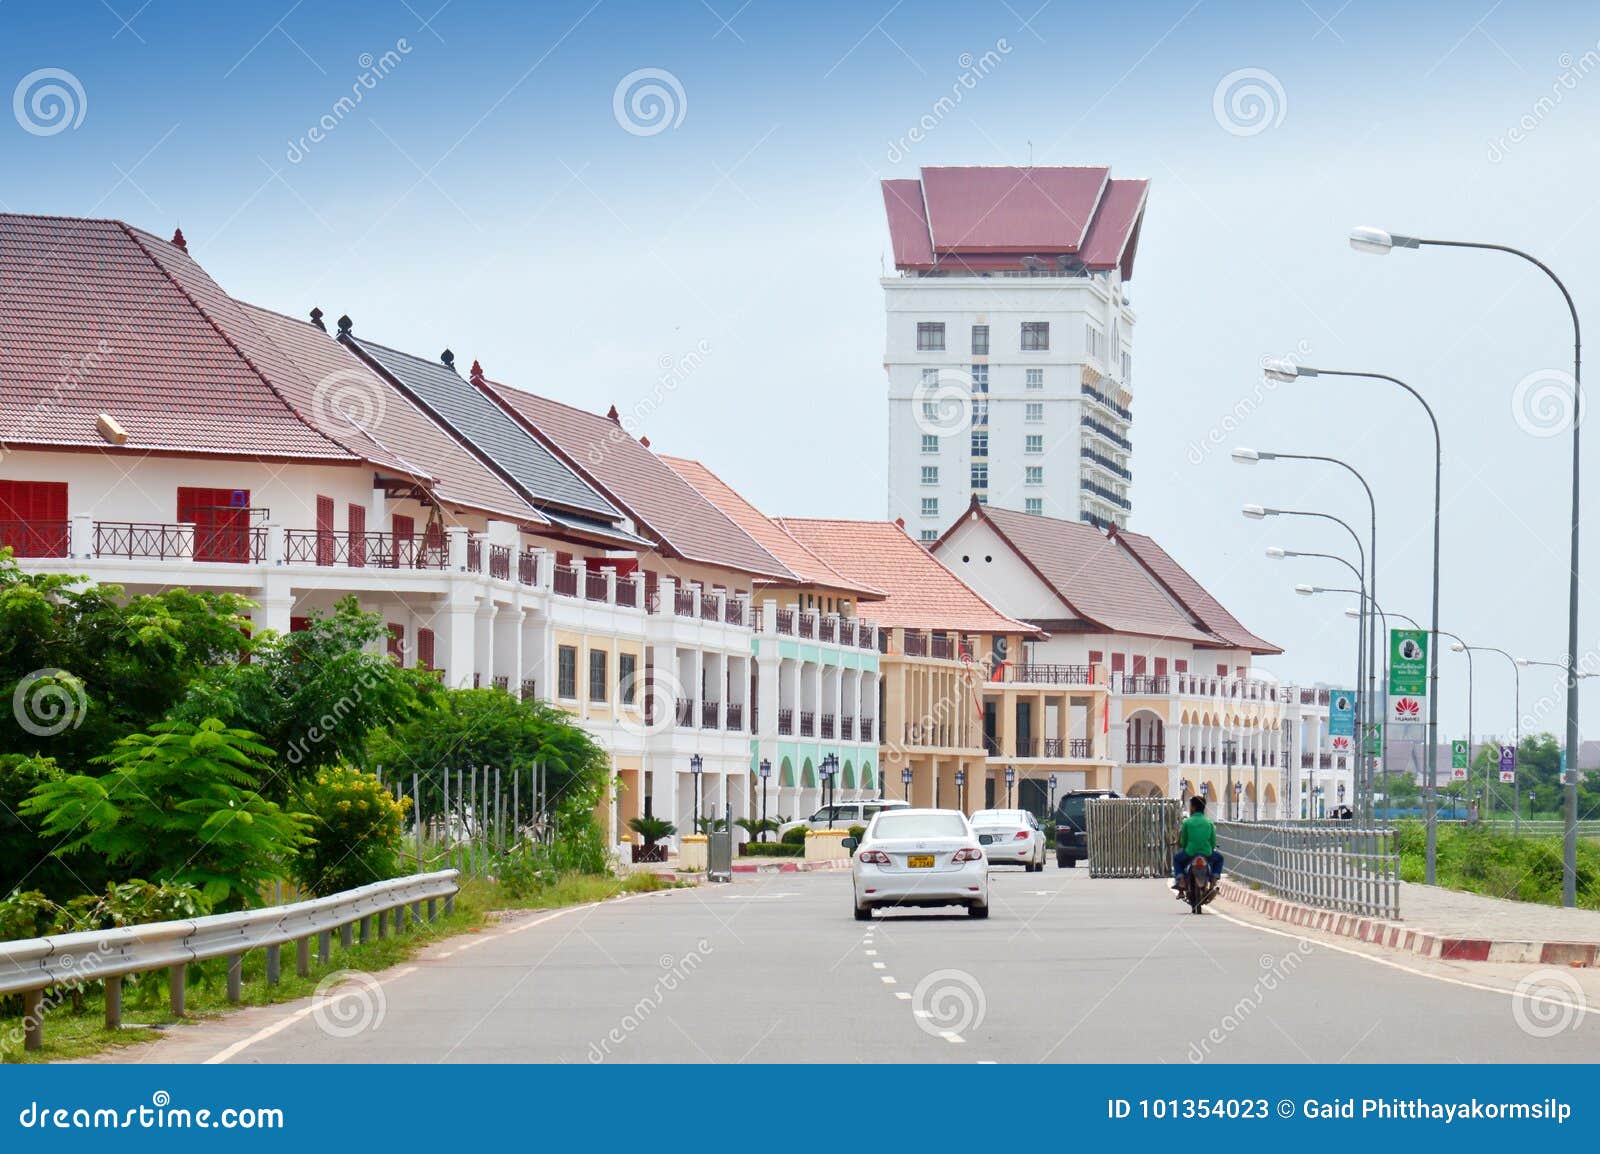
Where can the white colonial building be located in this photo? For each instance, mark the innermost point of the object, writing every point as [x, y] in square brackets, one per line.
[1009, 343]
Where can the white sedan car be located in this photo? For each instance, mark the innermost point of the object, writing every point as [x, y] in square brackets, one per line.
[919, 857]
[1010, 837]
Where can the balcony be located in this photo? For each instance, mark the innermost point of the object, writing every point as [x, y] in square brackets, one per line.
[685, 713]
[847, 728]
[828, 729]
[785, 621]
[1048, 674]
[628, 593]
[502, 683]
[916, 644]
[1104, 493]
[1105, 463]
[808, 626]
[529, 689]
[942, 647]
[183, 541]
[36, 538]
[528, 567]
[847, 631]
[1149, 753]
[708, 715]
[1100, 398]
[827, 629]
[1026, 746]
[565, 581]
[683, 602]
[785, 722]
[594, 585]
[475, 554]
[735, 716]
[808, 723]
[710, 610]
[1144, 686]
[500, 562]
[1107, 432]
[733, 611]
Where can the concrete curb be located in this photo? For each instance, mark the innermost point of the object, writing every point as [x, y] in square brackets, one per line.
[1409, 939]
[790, 867]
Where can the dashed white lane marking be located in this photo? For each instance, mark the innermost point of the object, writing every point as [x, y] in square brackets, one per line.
[887, 980]
[878, 966]
[987, 1062]
[952, 1037]
[872, 953]
[902, 995]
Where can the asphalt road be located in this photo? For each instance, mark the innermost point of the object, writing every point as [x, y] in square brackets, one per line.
[1066, 969]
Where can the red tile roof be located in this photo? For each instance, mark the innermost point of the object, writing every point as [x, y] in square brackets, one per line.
[97, 317]
[359, 408]
[988, 218]
[771, 536]
[657, 498]
[1093, 576]
[1178, 582]
[922, 593]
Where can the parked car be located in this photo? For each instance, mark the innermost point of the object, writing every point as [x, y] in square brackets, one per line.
[1010, 837]
[918, 857]
[1072, 841]
[845, 814]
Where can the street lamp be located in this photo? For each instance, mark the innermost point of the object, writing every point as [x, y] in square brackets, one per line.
[961, 790]
[905, 780]
[1011, 776]
[1289, 371]
[1230, 747]
[766, 772]
[830, 766]
[1380, 241]
[1374, 717]
[696, 764]
[1052, 793]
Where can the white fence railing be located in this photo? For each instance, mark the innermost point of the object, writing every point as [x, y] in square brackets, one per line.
[70, 961]
[1331, 866]
[1131, 837]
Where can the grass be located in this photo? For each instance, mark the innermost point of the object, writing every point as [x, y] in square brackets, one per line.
[78, 1031]
[1477, 860]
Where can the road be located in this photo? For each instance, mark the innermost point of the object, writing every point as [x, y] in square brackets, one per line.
[1067, 969]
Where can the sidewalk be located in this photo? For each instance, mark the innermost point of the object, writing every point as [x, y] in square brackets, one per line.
[1450, 925]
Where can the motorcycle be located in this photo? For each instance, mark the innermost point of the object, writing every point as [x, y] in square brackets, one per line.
[1197, 886]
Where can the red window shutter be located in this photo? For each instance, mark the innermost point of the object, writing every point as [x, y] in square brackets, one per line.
[1161, 666]
[299, 624]
[357, 515]
[1119, 662]
[563, 559]
[1096, 657]
[425, 648]
[397, 643]
[1180, 665]
[405, 531]
[1222, 669]
[33, 518]
[325, 547]
[1138, 665]
[221, 519]
[1240, 672]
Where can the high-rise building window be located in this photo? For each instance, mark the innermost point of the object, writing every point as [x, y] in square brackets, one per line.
[980, 442]
[1127, 368]
[930, 442]
[1034, 505]
[980, 378]
[1035, 378]
[1035, 336]
[1095, 341]
[930, 336]
[930, 378]
[980, 340]
[1033, 475]
[1033, 443]
[929, 536]
[930, 411]
[1033, 411]
[980, 411]
[930, 474]
[980, 475]
[930, 506]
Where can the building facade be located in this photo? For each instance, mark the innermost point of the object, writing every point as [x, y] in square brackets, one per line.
[1009, 343]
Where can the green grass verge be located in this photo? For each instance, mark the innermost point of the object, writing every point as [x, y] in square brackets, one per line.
[1526, 869]
[77, 1030]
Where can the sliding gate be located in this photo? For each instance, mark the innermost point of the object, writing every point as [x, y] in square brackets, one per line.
[1131, 837]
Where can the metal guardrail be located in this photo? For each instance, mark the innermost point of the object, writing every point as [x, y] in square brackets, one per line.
[32, 965]
[1350, 870]
[1131, 837]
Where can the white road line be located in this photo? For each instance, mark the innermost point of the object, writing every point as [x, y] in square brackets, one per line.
[879, 966]
[872, 953]
[888, 981]
[902, 995]
[1579, 1005]
[952, 1037]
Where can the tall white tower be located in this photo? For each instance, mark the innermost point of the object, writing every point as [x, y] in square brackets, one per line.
[1009, 343]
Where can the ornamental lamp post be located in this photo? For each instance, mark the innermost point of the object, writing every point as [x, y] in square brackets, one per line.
[1011, 776]
[830, 766]
[905, 780]
[766, 774]
[1052, 794]
[961, 790]
[696, 765]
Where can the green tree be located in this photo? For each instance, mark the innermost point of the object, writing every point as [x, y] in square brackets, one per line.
[357, 829]
[314, 696]
[27, 859]
[178, 804]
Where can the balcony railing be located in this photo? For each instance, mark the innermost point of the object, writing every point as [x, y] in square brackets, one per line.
[1027, 746]
[529, 689]
[594, 585]
[785, 621]
[500, 562]
[565, 580]
[828, 728]
[708, 715]
[808, 723]
[785, 722]
[182, 541]
[502, 683]
[1095, 394]
[808, 625]
[709, 609]
[528, 567]
[1108, 433]
[1046, 674]
[869, 728]
[733, 610]
[942, 647]
[475, 554]
[916, 644]
[735, 716]
[1145, 685]
[36, 538]
[827, 629]
[1106, 463]
[685, 713]
[847, 630]
[847, 728]
[1147, 753]
[628, 592]
[683, 602]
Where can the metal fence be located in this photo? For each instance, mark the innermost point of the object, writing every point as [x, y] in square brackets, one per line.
[71, 961]
[1131, 837]
[1540, 827]
[1351, 870]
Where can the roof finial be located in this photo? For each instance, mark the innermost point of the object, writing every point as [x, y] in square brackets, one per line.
[613, 416]
[900, 523]
[177, 240]
[345, 325]
[645, 442]
[477, 371]
[449, 360]
[316, 319]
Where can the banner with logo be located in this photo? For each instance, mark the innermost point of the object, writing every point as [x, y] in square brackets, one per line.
[1408, 674]
[1459, 752]
[1508, 764]
[1342, 713]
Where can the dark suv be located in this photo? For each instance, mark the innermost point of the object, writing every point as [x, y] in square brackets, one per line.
[1072, 844]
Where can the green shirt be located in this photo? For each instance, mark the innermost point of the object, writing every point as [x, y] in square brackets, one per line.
[1197, 835]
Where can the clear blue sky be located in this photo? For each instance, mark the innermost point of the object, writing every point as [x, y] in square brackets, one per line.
[483, 195]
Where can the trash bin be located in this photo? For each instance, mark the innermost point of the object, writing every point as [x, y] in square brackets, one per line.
[719, 853]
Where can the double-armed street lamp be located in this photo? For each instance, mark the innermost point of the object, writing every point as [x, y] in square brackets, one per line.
[1381, 242]
[1281, 370]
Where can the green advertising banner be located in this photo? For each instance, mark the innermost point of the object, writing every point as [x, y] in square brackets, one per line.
[1408, 662]
[1374, 741]
[1458, 755]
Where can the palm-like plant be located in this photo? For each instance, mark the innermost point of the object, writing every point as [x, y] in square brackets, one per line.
[652, 829]
[756, 827]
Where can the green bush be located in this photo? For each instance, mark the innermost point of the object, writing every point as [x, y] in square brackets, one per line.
[135, 902]
[1478, 860]
[357, 832]
[773, 849]
[796, 836]
[27, 914]
[523, 869]
[858, 832]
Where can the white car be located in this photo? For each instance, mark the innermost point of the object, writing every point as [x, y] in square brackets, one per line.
[919, 857]
[1010, 837]
[845, 814]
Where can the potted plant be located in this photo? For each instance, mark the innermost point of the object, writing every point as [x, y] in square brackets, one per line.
[654, 830]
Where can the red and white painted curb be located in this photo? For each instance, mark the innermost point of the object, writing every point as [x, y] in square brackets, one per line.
[1409, 939]
[791, 867]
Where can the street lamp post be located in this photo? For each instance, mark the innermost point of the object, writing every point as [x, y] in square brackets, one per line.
[1573, 676]
[696, 765]
[1377, 240]
[1230, 748]
[905, 780]
[1011, 777]
[1288, 371]
[1052, 793]
[961, 790]
[830, 766]
[1374, 716]
[766, 773]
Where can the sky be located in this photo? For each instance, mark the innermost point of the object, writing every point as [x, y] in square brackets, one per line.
[495, 191]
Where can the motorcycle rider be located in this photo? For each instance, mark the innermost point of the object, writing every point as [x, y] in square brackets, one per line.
[1197, 835]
